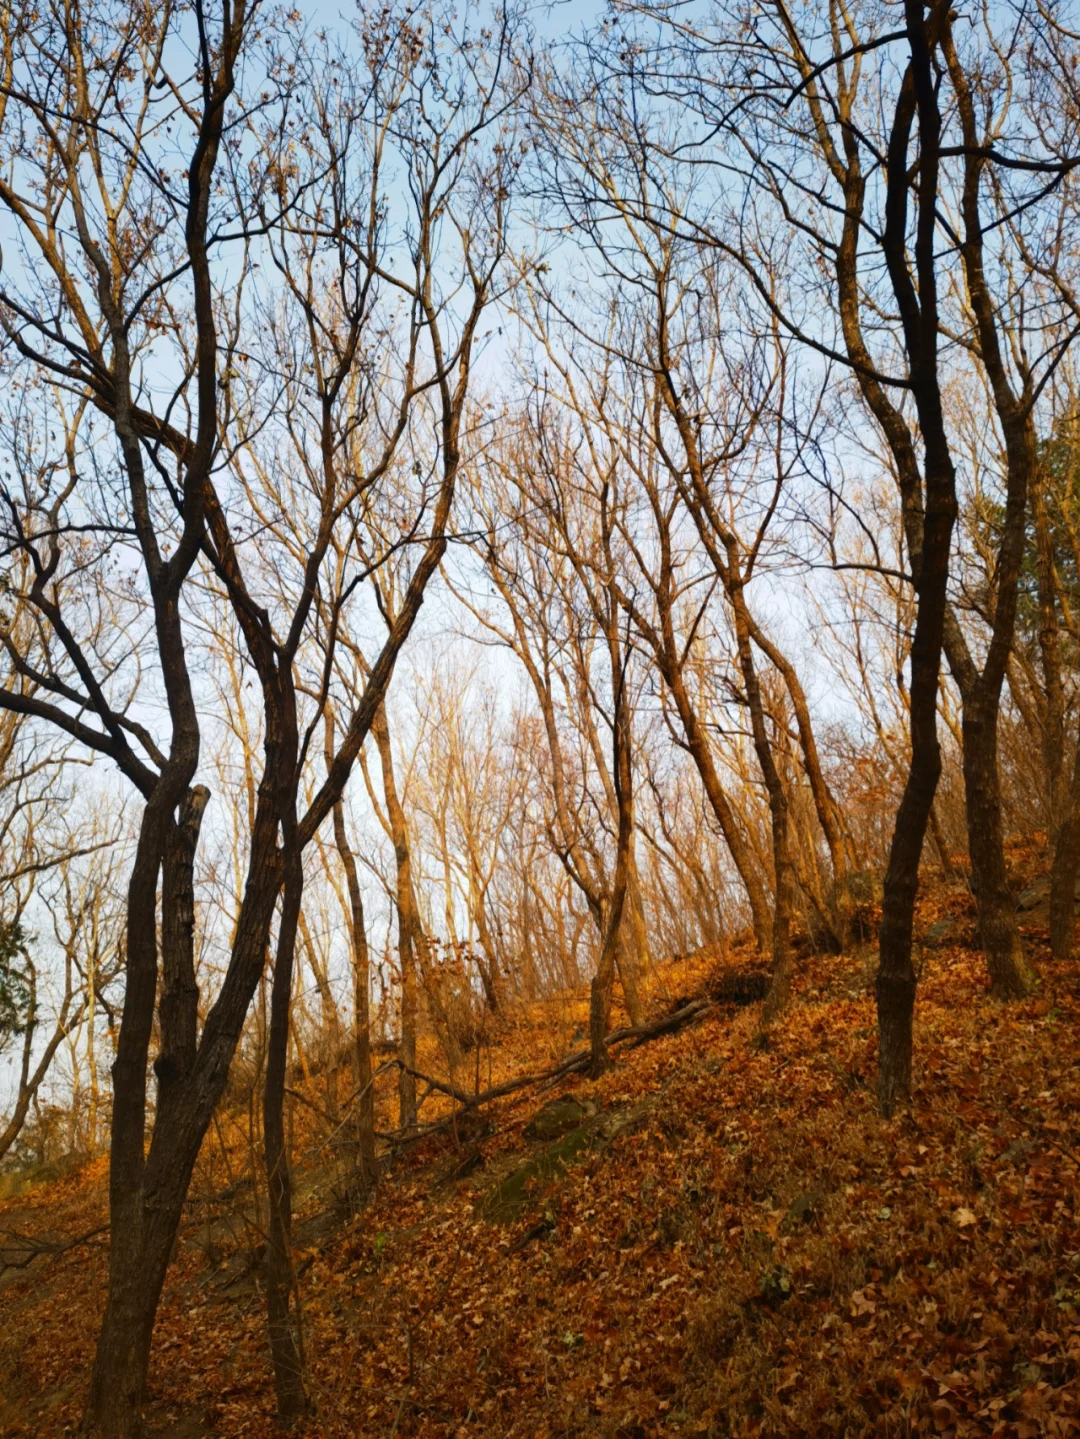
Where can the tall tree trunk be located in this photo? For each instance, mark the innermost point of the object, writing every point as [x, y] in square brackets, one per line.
[1063, 794]
[779, 808]
[632, 955]
[286, 1347]
[487, 963]
[1063, 874]
[410, 933]
[603, 978]
[332, 1037]
[600, 993]
[825, 806]
[136, 1266]
[980, 692]
[365, 1104]
[947, 866]
[1010, 972]
[697, 742]
[896, 979]
[147, 1190]
[136, 1277]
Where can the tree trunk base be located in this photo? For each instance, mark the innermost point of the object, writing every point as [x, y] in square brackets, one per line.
[896, 1011]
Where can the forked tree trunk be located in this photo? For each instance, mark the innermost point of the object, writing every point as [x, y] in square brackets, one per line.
[147, 1196]
[136, 1276]
[144, 1202]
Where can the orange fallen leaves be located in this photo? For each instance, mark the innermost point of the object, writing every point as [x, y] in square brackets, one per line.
[755, 1254]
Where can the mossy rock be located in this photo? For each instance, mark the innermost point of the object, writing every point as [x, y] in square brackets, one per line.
[938, 933]
[519, 1191]
[1032, 897]
[22, 1178]
[804, 1209]
[559, 1117]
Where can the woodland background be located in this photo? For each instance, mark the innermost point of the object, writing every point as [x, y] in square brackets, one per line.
[514, 542]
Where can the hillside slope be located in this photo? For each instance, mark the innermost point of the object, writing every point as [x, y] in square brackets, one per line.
[713, 1239]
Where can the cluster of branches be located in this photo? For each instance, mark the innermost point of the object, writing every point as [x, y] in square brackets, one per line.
[708, 358]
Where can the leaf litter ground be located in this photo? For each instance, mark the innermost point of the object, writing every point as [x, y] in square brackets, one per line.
[730, 1242]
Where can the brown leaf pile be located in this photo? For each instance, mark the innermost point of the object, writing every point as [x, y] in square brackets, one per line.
[739, 1246]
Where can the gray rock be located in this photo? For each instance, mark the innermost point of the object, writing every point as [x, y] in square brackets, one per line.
[1031, 897]
[938, 933]
[1017, 1151]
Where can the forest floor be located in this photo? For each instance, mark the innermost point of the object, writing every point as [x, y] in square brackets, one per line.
[713, 1239]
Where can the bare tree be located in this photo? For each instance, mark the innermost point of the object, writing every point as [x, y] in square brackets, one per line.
[119, 269]
[803, 128]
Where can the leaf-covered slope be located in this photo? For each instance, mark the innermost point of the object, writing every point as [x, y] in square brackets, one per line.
[718, 1238]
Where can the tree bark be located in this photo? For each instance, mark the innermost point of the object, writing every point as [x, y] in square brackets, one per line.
[365, 1104]
[1065, 867]
[664, 646]
[1010, 972]
[929, 534]
[779, 809]
[410, 933]
[1063, 793]
[603, 978]
[286, 1346]
[147, 1196]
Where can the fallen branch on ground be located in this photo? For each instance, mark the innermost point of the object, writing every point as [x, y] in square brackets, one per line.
[21, 1253]
[631, 1036]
